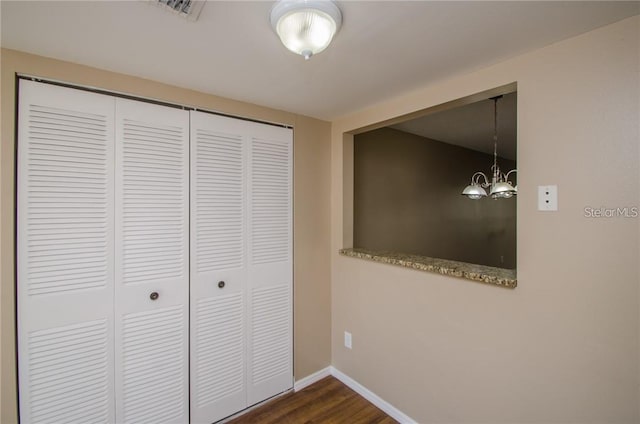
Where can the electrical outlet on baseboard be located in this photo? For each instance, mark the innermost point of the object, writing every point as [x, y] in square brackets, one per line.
[347, 339]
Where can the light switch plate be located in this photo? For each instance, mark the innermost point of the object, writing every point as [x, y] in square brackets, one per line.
[347, 339]
[548, 198]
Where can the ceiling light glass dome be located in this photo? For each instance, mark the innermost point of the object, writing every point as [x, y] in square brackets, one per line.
[306, 27]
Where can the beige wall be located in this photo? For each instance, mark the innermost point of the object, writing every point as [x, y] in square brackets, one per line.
[407, 199]
[564, 345]
[311, 206]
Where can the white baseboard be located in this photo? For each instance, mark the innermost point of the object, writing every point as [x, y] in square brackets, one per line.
[389, 409]
[310, 379]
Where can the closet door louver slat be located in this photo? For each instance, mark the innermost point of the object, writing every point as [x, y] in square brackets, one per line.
[153, 366]
[65, 255]
[270, 206]
[152, 257]
[271, 328]
[220, 355]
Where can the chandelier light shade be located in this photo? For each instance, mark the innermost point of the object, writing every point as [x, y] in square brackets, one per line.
[475, 190]
[500, 186]
[306, 27]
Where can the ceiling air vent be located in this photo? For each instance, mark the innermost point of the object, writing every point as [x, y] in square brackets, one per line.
[189, 9]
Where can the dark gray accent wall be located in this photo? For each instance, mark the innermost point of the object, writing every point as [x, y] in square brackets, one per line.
[407, 199]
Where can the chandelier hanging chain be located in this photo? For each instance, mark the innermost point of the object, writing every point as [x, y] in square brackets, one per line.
[500, 186]
[496, 171]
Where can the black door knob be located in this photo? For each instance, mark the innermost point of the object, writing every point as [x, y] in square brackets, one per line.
[221, 284]
[154, 296]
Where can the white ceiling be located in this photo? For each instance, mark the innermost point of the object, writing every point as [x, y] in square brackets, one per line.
[385, 48]
[471, 126]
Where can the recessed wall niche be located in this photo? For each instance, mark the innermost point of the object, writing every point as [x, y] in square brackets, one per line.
[408, 180]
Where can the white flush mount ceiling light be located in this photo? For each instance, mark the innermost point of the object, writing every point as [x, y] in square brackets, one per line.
[501, 187]
[306, 27]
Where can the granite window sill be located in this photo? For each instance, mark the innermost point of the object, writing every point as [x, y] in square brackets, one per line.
[480, 273]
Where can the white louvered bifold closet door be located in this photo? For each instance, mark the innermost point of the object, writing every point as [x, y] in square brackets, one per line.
[152, 263]
[269, 262]
[65, 225]
[218, 261]
[225, 375]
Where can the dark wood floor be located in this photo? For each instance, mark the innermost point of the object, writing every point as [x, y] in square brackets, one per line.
[327, 401]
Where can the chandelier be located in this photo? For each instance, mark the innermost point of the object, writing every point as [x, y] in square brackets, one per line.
[500, 186]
